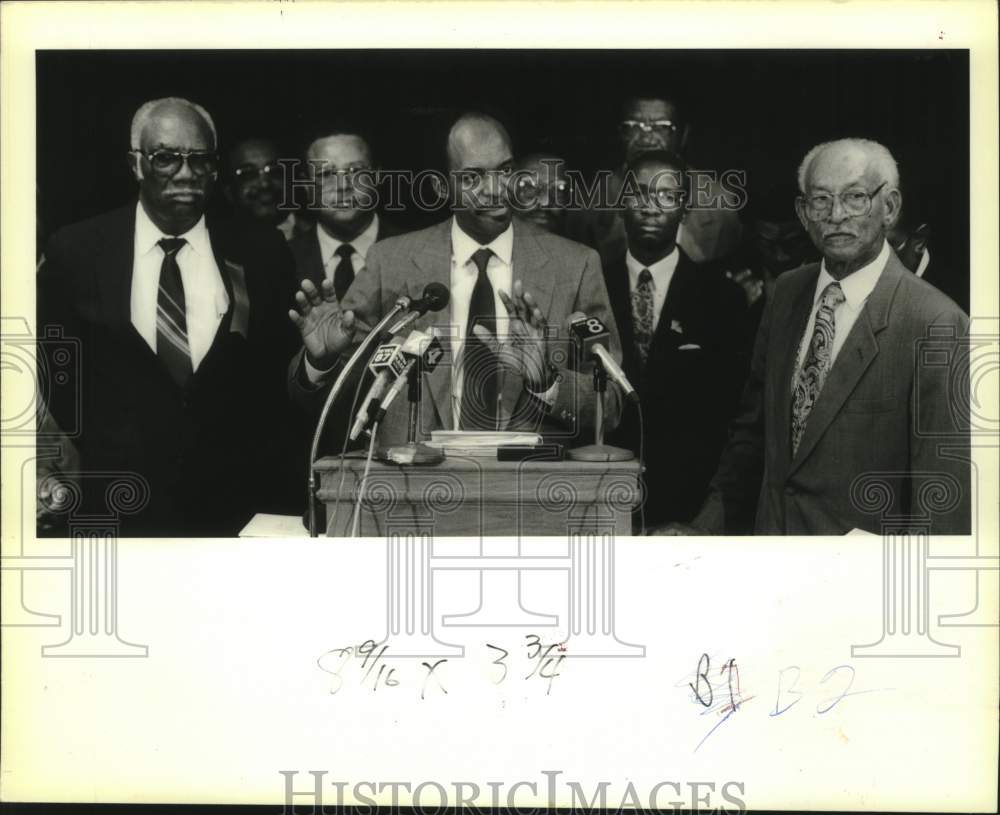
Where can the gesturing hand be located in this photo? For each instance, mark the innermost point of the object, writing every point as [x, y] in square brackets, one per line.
[528, 349]
[326, 330]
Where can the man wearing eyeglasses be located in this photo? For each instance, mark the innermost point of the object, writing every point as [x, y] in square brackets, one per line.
[651, 121]
[840, 389]
[183, 339]
[680, 327]
[509, 283]
[256, 187]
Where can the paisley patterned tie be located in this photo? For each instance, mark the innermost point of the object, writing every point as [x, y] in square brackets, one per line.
[642, 314]
[817, 363]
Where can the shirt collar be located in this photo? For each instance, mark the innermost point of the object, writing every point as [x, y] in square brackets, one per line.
[328, 244]
[661, 270]
[925, 261]
[148, 234]
[857, 285]
[464, 247]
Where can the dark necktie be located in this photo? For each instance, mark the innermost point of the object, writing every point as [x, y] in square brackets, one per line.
[642, 314]
[171, 320]
[817, 362]
[343, 275]
[479, 364]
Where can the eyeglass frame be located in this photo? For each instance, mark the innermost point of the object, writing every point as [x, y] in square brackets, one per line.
[648, 127]
[268, 169]
[834, 197]
[184, 155]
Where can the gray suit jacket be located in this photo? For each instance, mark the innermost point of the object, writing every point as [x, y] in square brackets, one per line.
[887, 440]
[562, 275]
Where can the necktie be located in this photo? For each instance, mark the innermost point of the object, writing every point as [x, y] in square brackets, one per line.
[479, 364]
[343, 275]
[171, 319]
[817, 362]
[642, 314]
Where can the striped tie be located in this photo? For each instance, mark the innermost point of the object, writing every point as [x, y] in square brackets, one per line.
[817, 363]
[171, 320]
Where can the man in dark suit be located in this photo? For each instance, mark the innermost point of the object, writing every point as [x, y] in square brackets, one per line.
[183, 339]
[511, 279]
[347, 218]
[840, 393]
[680, 327]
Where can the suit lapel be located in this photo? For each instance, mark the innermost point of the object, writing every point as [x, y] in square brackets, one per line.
[617, 282]
[673, 304]
[433, 264]
[313, 265]
[855, 357]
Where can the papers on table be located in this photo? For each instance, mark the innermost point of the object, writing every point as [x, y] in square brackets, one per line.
[483, 443]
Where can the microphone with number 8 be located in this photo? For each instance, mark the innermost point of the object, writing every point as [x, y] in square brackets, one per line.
[592, 335]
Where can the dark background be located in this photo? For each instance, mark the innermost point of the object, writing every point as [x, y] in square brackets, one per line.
[754, 110]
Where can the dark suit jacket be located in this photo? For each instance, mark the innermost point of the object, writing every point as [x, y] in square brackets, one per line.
[564, 276]
[875, 442]
[688, 396]
[309, 261]
[212, 453]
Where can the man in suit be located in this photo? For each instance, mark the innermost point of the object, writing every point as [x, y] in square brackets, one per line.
[348, 222]
[839, 390]
[183, 340]
[681, 344]
[513, 280]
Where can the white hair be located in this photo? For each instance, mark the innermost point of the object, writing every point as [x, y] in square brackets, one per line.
[145, 113]
[878, 155]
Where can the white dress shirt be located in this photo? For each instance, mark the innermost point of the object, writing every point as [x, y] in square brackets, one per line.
[205, 298]
[925, 261]
[328, 246]
[662, 272]
[857, 286]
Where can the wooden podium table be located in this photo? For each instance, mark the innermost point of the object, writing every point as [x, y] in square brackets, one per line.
[481, 497]
[584, 505]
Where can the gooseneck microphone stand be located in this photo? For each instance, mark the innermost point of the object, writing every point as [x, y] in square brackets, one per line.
[402, 304]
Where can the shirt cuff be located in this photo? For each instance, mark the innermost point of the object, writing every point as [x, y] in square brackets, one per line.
[549, 396]
[314, 375]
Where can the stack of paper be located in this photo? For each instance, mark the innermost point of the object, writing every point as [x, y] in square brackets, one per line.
[482, 443]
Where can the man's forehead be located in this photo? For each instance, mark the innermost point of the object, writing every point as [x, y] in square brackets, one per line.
[342, 149]
[255, 152]
[660, 176]
[177, 126]
[485, 149]
[651, 108]
[838, 167]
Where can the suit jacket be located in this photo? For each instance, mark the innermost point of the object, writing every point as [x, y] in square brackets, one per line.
[211, 453]
[306, 252]
[688, 395]
[875, 442]
[563, 275]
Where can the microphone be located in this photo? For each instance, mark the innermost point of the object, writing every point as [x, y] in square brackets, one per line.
[385, 362]
[394, 391]
[591, 333]
[425, 347]
[435, 298]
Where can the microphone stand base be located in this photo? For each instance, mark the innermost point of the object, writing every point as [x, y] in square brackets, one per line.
[599, 452]
[411, 453]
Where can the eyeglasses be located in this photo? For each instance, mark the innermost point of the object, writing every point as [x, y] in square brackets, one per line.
[633, 126]
[330, 176]
[855, 203]
[169, 162]
[250, 173]
[661, 199]
[529, 189]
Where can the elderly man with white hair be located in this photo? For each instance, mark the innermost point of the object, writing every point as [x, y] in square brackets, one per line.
[183, 341]
[853, 414]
